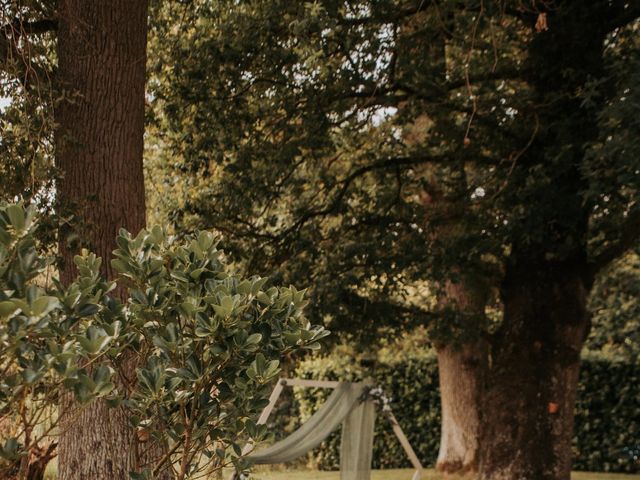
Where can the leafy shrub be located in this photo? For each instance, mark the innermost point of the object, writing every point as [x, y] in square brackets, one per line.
[47, 340]
[202, 342]
[607, 428]
[210, 341]
[615, 303]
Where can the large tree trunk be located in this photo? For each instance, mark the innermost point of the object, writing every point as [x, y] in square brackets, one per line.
[99, 145]
[460, 370]
[99, 142]
[528, 406]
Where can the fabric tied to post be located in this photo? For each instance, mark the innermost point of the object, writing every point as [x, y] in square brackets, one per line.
[344, 406]
[356, 446]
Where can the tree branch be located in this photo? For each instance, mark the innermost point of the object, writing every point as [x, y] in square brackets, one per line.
[17, 62]
[388, 163]
[36, 27]
[374, 309]
[400, 92]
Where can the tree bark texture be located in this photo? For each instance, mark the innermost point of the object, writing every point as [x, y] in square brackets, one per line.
[460, 361]
[527, 409]
[460, 369]
[99, 145]
[462, 358]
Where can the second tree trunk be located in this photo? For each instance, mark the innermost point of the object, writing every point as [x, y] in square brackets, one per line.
[528, 405]
[460, 370]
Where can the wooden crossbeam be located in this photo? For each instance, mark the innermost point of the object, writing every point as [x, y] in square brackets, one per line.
[299, 382]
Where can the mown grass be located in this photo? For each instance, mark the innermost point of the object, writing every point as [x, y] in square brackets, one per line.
[392, 474]
[405, 474]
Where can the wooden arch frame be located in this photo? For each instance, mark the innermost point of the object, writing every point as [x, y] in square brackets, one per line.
[295, 382]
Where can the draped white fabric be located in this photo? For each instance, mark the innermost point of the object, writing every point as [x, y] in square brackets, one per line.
[357, 442]
[343, 401]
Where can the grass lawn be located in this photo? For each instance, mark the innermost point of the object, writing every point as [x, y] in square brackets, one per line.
[406, 475]
[402, 474]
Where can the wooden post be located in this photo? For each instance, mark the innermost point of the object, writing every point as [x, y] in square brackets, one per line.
[264, 416]
[272, 402]
[405, 444]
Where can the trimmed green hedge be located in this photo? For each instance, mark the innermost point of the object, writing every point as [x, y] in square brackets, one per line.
[607, 431]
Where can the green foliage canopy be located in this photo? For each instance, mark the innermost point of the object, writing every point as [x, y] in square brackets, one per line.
[372, 148]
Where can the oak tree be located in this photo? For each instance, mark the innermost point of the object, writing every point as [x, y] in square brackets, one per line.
[377, 149]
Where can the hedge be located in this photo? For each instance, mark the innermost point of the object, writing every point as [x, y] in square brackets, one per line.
[607, 428]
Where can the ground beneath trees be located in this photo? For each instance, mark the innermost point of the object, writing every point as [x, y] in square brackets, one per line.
[392, 474]
[405, 474]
